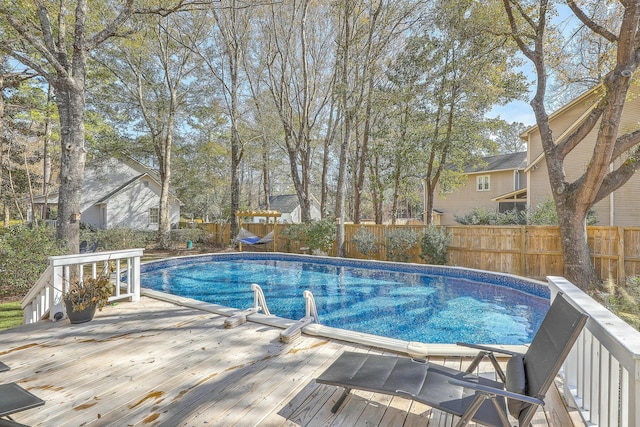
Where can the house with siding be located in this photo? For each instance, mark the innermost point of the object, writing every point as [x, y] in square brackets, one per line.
[513, 181]
[290, 208]
[620, 208]
[498, 184]
[120, 193]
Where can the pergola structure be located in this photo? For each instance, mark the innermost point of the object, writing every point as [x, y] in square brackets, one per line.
[268, 214]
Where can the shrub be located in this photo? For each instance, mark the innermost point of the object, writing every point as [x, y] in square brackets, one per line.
[24, 252]
[321, 235]
[184, 234]
[365, 242]
[294, 233]
[399, 242]
[545, 214]
[434, 245]
[484, 216]
[114, 239]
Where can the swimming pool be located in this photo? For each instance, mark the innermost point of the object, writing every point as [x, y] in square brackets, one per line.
[410, 302]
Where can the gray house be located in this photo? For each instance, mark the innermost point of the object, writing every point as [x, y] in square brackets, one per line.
[290, 208]
[120, 193]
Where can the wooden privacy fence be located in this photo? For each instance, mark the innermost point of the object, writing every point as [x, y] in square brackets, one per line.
[530, 251]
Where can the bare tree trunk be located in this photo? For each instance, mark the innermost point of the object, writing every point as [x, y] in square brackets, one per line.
[5, 220]
[71, 105]
[346, 137]
[46, 159]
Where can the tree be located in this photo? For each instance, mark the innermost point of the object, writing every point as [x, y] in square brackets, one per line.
[37, 35]
[616, 155]
[452, 77]
[156, 75]
[298, 64]
[507, 136]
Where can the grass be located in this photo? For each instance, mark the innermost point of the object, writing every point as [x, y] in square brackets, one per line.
[10, 315]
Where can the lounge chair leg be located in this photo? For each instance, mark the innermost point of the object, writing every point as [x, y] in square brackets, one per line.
[476, 362]
[501, 413]
[471, 410]
[340, 401]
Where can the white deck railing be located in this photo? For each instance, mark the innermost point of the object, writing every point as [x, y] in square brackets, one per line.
[45, 298]
[602, 372]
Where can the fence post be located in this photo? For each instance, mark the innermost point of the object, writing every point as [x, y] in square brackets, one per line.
[622, 274]
[523, 250]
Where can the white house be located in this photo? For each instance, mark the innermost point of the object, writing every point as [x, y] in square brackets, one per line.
[290, 208]
[121, 193]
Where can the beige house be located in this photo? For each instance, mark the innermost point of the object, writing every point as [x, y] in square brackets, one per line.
[499, 184]
[621, 208]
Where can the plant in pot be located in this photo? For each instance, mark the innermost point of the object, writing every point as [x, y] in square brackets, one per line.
[85, 296]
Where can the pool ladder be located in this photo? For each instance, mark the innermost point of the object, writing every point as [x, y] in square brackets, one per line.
[311, 316]
[259, 304]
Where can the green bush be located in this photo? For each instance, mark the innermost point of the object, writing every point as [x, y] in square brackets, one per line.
[321, 235]
[399, 242]
[184, 234]
[434, 245]
[24, 252]
[114, 239]
[545, 214]
[484, 216]
[365, 242]
[294, 233]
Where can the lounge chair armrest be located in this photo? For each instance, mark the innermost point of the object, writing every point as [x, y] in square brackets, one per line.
[488, 349]
[498, 392]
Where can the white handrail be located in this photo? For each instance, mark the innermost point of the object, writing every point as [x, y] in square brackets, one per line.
[259, 301]
[310, 306]
[602, 372]
[45, 297]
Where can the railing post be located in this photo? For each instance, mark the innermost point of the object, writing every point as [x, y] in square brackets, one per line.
[135, 279]
[634, 397]
[57, 290]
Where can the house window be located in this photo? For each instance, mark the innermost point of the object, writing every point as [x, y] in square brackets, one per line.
[154, 215]
[483, 183]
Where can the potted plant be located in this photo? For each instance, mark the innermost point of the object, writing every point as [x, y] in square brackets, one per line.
[85, 296]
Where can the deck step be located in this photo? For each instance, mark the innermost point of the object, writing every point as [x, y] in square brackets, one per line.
[294, 331]
[239, 318]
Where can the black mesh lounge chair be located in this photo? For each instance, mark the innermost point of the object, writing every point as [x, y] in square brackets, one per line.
[526, 380]
[14, 398]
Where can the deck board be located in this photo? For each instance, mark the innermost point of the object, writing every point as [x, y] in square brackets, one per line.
[154, 363]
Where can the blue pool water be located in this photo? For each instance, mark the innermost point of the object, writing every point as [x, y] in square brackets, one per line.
[407, 302]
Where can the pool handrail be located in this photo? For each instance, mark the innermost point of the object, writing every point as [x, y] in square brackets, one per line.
[259, 301]
[310, 306]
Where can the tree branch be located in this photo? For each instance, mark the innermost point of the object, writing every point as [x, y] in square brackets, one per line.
[618, 177]
[565, 146]
[593, 26]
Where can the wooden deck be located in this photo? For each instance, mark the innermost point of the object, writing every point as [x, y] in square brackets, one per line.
[154, 363]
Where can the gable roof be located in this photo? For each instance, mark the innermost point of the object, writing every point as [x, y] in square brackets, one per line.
[287, 203]
[499, 163]
[107, 177]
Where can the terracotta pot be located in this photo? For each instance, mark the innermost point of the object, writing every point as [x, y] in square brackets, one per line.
[81, 316]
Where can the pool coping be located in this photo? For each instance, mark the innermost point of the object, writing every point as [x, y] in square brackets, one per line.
[411, 348]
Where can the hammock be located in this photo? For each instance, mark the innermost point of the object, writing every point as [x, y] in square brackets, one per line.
[248, 238]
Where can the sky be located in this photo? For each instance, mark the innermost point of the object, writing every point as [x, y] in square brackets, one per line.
[516, 111]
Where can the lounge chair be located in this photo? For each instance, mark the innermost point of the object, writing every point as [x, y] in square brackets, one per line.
[14, 398]
[527, 378]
